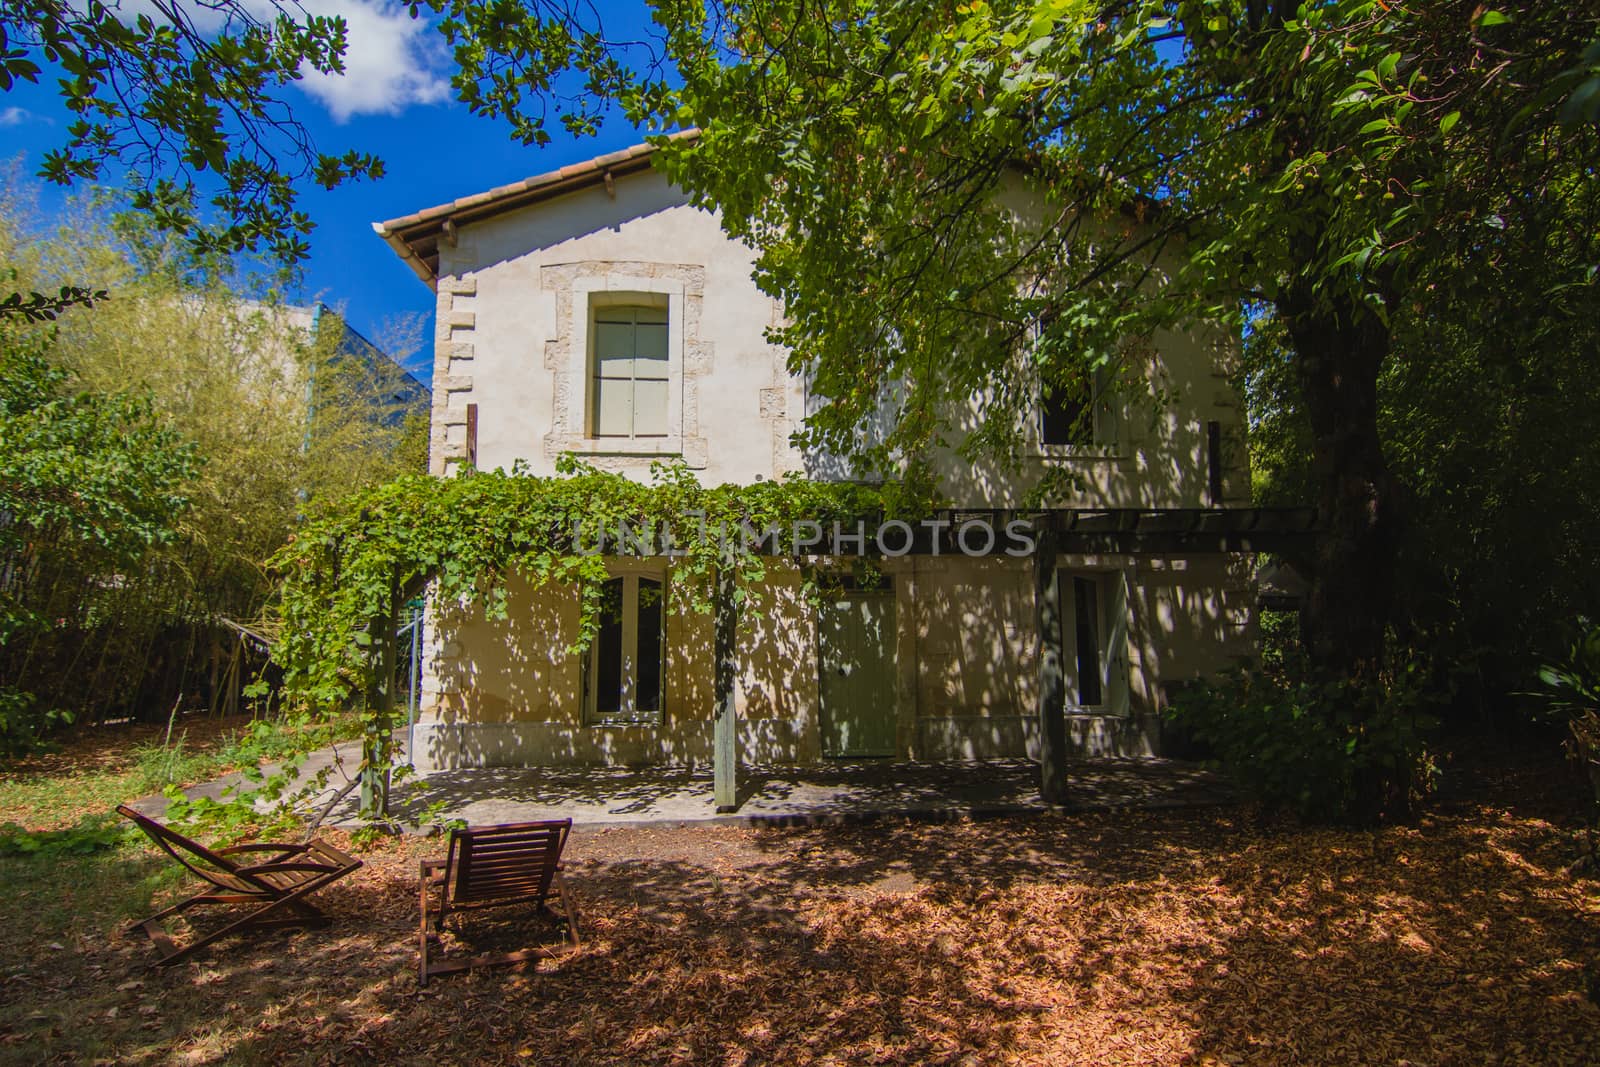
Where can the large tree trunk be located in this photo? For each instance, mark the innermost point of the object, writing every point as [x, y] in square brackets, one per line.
[1340, 351]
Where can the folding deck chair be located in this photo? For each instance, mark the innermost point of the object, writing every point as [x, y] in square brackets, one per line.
[492, 865]
[277, 887]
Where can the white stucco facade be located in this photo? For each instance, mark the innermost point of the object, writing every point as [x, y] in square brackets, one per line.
[512, 385]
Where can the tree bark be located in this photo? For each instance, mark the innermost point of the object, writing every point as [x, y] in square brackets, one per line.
[1340, 351]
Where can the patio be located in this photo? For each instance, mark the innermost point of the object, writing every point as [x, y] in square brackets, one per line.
[835, 793]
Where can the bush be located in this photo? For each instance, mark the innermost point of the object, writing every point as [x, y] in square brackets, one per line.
[91, 489]
[23, 725]
[1570, 693]
[1330, 751]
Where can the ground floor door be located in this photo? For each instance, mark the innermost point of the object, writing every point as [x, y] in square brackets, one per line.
[855, 658]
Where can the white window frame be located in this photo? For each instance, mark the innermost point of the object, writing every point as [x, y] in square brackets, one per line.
[621, 289]
[1103, 422]
[628, 713]
[1111, 625]
[626, 306]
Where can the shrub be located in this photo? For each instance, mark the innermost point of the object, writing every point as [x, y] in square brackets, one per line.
[1336, 751]
[1570, 693]
[24, 723]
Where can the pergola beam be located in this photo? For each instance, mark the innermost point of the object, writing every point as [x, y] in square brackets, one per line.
[1090, 531]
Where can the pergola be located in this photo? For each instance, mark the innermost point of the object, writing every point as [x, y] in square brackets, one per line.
[1129, 531]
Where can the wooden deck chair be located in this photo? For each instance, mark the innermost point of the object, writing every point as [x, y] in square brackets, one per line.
[277, 887]
[492, 865]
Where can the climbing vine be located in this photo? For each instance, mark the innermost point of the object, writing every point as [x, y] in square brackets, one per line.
[346, 574]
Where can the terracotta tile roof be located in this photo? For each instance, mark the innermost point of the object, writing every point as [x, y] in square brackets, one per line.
[415, 237]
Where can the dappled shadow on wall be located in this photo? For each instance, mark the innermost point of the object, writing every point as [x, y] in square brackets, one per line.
[512, 694]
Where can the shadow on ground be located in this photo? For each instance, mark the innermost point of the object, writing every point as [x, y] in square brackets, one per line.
[1116, 937]
[833, 792]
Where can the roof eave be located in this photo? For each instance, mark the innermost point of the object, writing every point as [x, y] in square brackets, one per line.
[404, 251]
[415, 237]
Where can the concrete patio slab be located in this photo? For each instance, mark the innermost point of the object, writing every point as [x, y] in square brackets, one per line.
[836, 792]
[842, 792]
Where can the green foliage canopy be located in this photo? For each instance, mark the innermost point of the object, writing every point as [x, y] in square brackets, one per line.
[90, 485]
[186, 100]
[962, 204]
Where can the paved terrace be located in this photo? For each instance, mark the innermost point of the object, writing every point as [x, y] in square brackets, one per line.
[845, 791]
[841, 792]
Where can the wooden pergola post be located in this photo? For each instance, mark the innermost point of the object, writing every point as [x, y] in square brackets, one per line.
[1052, 679]
[725, 754]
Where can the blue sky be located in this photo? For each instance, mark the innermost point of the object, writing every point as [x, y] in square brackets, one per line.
[394, 101]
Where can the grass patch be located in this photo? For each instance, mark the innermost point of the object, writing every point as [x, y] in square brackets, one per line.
[58, 803]
[63, 793]
[54, 898]
[71, 870]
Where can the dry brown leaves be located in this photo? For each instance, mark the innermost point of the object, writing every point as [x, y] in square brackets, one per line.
[1174, 937]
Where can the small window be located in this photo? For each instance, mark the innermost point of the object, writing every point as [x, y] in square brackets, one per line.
[1077, 412]
[623, 680]
[1066, 414]
[629, 363]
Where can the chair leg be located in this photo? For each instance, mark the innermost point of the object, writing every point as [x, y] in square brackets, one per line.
[422, 936]
[182, 905]
[569, 908]
[167, 949]
[293, 901]
[430, 926]
[423, 933]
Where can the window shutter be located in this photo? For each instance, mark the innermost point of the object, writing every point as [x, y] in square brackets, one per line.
[1116, 593]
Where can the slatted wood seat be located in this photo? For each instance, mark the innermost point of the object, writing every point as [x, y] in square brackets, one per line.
[278, 886]
[487, 866]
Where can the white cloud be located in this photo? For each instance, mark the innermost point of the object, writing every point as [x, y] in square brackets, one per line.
[17, 116]
[391, 61]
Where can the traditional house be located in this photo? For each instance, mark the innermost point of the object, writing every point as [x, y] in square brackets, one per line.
[593, 311]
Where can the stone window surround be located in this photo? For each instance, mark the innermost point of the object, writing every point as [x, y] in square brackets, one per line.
[568, 356]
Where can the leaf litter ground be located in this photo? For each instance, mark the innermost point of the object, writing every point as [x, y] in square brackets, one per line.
[1151, 937]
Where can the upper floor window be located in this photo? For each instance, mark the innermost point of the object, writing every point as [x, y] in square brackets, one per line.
[1075, 413]
[1066, 415]
[629, 366]
[627, 344]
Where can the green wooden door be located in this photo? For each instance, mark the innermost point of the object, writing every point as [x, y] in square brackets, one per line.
[855, 657]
